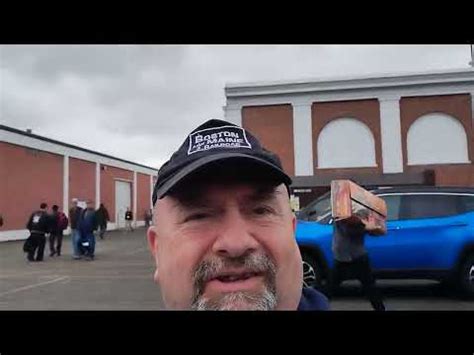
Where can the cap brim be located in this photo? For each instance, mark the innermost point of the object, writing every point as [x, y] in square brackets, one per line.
[202, 162]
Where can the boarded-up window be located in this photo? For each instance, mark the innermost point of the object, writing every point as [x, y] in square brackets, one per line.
[346, 143]
[437, 138]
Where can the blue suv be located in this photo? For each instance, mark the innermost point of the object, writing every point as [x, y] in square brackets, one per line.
[430, 235]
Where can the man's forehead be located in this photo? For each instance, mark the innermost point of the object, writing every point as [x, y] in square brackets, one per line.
[203, 191]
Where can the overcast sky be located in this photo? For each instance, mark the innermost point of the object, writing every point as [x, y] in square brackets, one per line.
[139, 102]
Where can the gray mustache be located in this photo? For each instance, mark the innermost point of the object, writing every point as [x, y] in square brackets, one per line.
[254, 262]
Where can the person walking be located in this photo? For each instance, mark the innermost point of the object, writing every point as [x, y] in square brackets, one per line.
[74, 215]
[102, 218]
[39, 224]
[128, 220]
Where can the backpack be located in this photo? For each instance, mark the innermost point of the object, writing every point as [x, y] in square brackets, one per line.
[63, 221]
[28, 245]
[37, 221]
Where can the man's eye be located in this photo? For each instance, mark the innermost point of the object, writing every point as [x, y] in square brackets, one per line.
[197, 216]
[262, 210]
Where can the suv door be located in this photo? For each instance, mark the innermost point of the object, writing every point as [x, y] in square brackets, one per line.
[417, 237]
[382, 249]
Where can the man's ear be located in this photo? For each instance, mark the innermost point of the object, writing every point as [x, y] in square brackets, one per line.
[152, 240]
[152, 237]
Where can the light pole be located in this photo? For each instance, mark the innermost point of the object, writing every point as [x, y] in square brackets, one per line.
[471, 63]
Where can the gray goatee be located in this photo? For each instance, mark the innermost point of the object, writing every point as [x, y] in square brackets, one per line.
[241, 300]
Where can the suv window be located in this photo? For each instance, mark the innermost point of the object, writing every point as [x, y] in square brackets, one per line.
[468, 203]
[429, 205]
[393, 206]
[318, 210]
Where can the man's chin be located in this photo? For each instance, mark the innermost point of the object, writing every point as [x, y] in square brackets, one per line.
[238, 301]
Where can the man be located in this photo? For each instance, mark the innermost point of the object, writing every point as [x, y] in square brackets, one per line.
[59, 223]
[74, 215]
[351, 261]
[87, 226]
[102, 218]
[148, 215]
[223, 233]
[1, 220]
[128, 220]
[39, 224]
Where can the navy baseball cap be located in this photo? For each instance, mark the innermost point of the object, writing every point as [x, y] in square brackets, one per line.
[217, 141]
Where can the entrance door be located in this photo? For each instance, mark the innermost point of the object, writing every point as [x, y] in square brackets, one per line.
[123, 194]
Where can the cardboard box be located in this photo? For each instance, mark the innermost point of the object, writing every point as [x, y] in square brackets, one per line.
[353, 204]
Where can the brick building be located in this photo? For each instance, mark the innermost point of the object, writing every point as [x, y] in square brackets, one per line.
[414, 128]
[35, 169]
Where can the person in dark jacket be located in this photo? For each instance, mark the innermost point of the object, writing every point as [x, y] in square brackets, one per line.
[148, 216]
[74, 216]
[351, 261]
[53, 235]
[87, 226]
[59, 222]
[39, 224]
[128, 220]
[223, 236]
[102, 218]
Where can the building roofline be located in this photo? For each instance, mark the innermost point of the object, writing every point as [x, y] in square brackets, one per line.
[49, 140]
[350, 82]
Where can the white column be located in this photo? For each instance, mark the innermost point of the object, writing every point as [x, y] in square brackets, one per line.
[135, 198]
[472, 107]
[391, 134]
[65, 206]
[303, 138]
[97, 185]
[233, 113]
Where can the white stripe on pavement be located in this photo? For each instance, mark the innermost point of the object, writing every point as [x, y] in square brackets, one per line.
[33, 286]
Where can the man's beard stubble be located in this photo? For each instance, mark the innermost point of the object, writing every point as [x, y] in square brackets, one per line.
[255, 262]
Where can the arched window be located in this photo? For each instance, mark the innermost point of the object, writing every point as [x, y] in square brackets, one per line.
[437, 138]
[346, 143]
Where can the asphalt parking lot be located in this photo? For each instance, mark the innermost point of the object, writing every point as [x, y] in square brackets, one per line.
[121, 278]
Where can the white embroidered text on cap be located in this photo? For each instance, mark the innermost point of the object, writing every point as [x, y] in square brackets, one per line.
[218, 138]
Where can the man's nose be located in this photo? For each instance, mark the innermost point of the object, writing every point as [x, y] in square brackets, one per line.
[235, 236]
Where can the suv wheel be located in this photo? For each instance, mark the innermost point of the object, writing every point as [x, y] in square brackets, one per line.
[466, 276]
[312, 271]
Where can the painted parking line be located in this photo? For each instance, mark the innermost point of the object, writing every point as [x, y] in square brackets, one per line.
[136, 251]
[33, 286]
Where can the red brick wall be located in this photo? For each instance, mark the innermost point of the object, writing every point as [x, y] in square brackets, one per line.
[449, 174]
[143, 195]
[366, 111]
[28, 178]
[82, 180]
[273, 126]
[107, 187]
[457, 106]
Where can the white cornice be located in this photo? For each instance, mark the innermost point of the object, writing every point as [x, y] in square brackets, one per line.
[34, 143]
[406, 80]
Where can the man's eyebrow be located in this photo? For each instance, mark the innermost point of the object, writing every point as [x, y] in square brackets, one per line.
[189, 201]
[264, 193]
[194, 199]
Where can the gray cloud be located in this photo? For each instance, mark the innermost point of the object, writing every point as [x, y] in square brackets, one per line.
[139, 102]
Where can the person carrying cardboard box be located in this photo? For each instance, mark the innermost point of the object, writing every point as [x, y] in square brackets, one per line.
[356, 212]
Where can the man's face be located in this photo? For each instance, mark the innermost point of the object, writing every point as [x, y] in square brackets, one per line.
[221, 246]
